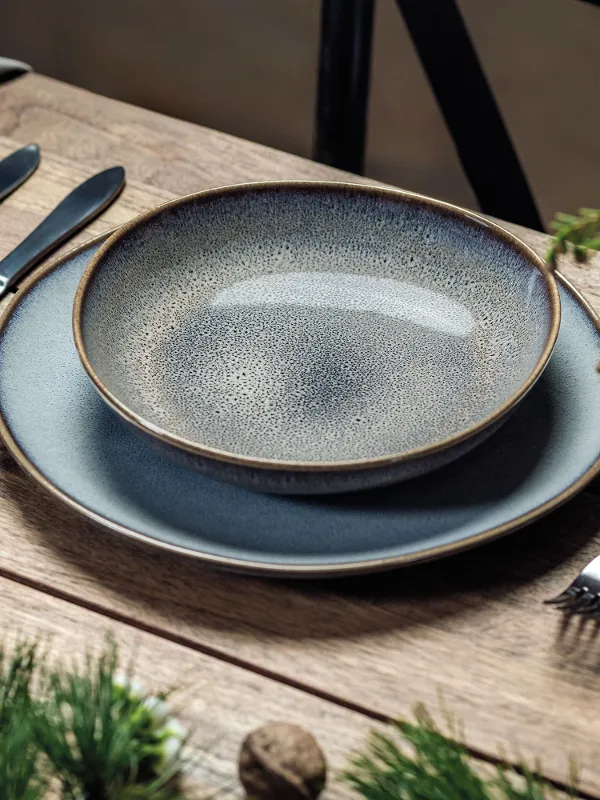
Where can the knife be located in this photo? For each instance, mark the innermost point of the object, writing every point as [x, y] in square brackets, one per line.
[9, 69]
[17, 167]
[76, 210]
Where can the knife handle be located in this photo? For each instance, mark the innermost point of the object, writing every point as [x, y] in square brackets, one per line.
[17, 167]
[76, 210]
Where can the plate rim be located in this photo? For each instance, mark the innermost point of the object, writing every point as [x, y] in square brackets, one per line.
[275, 569]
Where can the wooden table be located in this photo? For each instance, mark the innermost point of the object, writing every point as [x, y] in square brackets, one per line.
[337, 657]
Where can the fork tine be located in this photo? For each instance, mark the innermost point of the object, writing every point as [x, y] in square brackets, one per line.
[592, 609]
[572, 601]
[579, 604]
[564, 597]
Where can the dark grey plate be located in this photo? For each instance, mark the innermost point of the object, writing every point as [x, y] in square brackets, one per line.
[61, 432]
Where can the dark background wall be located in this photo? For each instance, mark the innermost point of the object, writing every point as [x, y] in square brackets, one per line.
[248, 67]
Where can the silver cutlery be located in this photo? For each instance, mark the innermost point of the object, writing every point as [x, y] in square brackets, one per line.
[583, 595]
[70, 215]
[9, 69]
[17, 167]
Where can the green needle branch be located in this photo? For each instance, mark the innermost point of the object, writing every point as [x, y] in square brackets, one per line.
[92, 733]
[421, 763]
[89, 731]
[22, 776]
[578, 234]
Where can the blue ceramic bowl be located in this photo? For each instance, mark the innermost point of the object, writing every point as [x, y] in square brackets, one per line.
[314, 337]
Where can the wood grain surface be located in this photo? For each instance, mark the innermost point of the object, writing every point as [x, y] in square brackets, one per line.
[81, 133]
[472, 626]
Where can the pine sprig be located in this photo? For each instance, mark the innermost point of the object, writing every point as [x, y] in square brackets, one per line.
[580, 234]
[103, 739]
[420, 763]
[22, 776]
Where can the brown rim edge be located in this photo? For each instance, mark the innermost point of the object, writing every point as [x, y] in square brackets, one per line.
[279, 569]
[336, 466]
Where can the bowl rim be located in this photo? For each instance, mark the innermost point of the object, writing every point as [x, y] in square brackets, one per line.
[205, 451]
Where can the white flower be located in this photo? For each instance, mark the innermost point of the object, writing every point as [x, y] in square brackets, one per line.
[171, 749]
[171, 745]
[158, 708]
[134, 688]
[175, 729]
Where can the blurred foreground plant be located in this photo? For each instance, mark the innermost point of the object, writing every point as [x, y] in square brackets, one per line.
[580, 234]
[104, 739]
[90, 731]
[21, 770]
[94, 734]
[420, 763]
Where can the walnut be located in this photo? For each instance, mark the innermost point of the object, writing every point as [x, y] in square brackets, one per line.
[282, 762]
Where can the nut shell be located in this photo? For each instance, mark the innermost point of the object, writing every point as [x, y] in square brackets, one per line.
[280, 761]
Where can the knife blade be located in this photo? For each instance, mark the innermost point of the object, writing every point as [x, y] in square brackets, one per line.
[9, 69]
[17, 167]
[74, 212]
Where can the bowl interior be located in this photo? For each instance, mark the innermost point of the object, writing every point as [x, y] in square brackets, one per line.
[313, 324]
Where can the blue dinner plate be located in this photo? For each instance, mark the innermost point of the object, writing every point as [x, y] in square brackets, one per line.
[62, 433]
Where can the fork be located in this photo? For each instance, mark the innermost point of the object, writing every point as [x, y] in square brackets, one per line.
[583, 595]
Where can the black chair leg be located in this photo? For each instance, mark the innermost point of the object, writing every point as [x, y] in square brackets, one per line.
[468, 106]
[343, 83]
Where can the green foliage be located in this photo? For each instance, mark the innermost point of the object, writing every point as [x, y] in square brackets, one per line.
[21, 773]
[103, 739]
[91, 732]
[97, 735]
[421, 763]
[580, 234]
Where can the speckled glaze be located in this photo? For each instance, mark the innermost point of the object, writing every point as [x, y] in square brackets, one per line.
[61, 432]
[307, 338]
